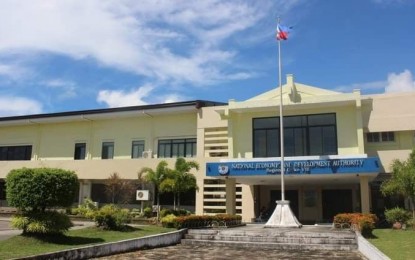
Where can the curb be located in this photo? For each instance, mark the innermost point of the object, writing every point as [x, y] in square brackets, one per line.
[161, 240]
[369, 250]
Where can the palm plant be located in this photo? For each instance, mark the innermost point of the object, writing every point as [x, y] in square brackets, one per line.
[180, 179]
[155, 177]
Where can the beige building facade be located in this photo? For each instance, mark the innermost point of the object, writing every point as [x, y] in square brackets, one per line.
[338, 148]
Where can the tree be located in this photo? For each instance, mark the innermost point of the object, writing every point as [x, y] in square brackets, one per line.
[34, 191]
[180, 179]
[402, 181]
[155, 177]
[38, 189]
[119, 190]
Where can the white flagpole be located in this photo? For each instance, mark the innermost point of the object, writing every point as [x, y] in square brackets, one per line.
[281, 122]
[282, 216]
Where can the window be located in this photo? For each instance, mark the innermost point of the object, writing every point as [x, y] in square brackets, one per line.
[303, 135]
[80, 151]
[377, 137]
[177, 148]
[137, 149]
[16, 153]
[107, 150]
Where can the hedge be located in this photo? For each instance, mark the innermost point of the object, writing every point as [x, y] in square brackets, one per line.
[364, 223]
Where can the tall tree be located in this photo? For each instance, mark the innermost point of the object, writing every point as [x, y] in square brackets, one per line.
[180, 179]
[402, 181]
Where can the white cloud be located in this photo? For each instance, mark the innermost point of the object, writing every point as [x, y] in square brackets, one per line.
[171, 98]
[12, 106]
[372, 87]
[67, 89]
[119, 98]
[402, 82]
[13, 71]
[180, 41]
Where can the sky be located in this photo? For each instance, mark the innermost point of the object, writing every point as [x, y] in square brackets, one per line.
[70, 55]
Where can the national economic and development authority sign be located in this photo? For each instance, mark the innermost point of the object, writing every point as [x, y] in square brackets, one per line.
[296, 167]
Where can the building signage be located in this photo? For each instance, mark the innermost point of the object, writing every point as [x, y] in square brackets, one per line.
[326, 166]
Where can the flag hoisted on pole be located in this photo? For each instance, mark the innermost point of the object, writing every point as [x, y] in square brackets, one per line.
[282, 32]
[282, 215]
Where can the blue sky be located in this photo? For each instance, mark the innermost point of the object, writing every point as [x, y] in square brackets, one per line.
[63, 55]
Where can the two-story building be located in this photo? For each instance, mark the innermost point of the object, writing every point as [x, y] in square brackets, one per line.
[338, 148]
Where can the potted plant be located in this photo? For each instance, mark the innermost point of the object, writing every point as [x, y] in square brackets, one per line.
[397, 217]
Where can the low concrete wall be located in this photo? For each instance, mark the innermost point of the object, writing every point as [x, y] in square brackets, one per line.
[166, 239]
[369, 250]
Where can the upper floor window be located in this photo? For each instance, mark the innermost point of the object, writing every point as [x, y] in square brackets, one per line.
[177, 148]
[80, 151]
[137, 149]
[16, 153]
[303, 135]
[377, 137]
[107, 150]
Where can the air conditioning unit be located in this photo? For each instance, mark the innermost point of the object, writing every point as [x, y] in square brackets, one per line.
[147, 154]
[143, 195]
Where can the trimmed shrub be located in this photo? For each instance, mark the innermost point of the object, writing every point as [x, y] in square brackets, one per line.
[111, 217]
[169, 221]
[87, 209]
[364, 223]
[198, 221]
[148, 212]
[178, 212]
[397, 215]
[50, 222]
[37, 189]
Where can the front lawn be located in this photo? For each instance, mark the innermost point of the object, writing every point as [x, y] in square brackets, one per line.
[397, 244]
[20, 246]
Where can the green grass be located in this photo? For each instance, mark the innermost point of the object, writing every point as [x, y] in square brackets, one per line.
[397, 244]
[20, 246]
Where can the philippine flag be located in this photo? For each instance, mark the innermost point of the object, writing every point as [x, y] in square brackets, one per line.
[282, 32]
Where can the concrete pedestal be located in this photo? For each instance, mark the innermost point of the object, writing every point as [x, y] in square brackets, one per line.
[283, 216]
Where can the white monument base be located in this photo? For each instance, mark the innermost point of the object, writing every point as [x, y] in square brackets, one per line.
[282, 216]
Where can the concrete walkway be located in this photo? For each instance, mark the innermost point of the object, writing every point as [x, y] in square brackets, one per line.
[209, 252]
[206, 252]
[6, 231]
[219, 253]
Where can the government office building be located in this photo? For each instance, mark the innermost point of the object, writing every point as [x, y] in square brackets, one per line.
[338, 148]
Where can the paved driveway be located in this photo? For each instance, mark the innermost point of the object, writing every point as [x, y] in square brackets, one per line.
[6, 231]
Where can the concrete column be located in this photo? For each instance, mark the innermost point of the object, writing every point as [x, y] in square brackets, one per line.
[230, 196]
[201, 143]
[359, 122]
[248, 203]
[85, 188]
[364, 194]
[199, 195]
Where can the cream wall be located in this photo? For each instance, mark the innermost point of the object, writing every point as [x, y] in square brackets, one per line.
[347, 134]
[389, 151]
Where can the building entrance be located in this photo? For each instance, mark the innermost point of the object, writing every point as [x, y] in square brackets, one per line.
[336, 201]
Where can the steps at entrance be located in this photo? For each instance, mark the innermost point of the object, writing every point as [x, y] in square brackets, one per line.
[305, 238]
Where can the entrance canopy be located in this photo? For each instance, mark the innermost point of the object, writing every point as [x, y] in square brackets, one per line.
[305, 169]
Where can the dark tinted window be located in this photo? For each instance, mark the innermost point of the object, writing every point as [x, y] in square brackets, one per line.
[303, 135]
[16, 153]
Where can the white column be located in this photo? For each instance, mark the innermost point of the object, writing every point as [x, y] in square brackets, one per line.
[230, 196]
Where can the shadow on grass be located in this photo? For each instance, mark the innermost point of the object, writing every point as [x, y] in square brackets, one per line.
[65, 240]
[128, 228]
